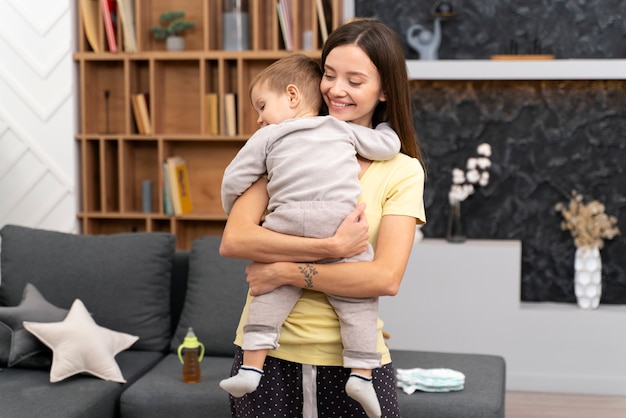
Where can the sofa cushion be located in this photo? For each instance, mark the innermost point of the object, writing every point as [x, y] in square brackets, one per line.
[18, 344]
[28, 393]
[124, 279]
[216, 292]
[482, 397]
[81, 346]
[161, 393]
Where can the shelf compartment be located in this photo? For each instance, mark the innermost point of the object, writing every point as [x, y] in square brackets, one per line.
[150, 11]
[160, 225]
[139, 82]
[206, 162]
[304, 19]
[210, 109]
[113, 225]
[176, 97]
[109, 161]
[188, 230]
[91, 175]
[265, 32]
[104, 95]
[140, 161]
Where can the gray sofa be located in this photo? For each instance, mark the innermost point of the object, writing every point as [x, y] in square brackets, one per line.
[138, 284]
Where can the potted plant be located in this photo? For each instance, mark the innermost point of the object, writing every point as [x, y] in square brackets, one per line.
[173, 24]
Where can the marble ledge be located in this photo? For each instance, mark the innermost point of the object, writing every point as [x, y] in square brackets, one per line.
[474, 243]
[557, 69]
[557, 308]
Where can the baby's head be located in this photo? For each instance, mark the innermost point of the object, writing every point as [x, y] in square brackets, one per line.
[289, 87]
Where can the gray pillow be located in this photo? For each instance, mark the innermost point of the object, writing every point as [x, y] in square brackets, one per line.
[124, 279]
[19, 345]
[216, 292]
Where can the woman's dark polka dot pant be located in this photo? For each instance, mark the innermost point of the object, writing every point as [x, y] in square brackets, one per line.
[280, 392]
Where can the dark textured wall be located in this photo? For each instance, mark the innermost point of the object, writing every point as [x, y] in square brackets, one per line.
[548, 137]
[565, 28]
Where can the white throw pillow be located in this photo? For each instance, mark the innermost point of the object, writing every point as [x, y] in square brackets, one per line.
[79, 345]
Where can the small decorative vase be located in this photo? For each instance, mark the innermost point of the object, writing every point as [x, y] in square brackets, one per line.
[455, 224]
[175, 43]
[588, 277]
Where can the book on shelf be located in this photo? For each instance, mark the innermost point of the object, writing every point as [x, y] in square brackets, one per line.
[230, 114]
[142, 99]
[167, 190]
[109, 29]
[90, 15]
[212, 114]
[142, 113]
[178, 178]
[139, 102]
[284, 18]
[137, 114]
[323, 17]
[127, 20]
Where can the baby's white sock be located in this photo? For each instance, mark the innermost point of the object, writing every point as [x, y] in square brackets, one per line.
[244, 382]
[361, 389]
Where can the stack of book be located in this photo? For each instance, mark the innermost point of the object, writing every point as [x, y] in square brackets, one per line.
[112, 13]
[177, 192]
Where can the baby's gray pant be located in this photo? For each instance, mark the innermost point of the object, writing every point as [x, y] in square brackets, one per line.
[357, 316]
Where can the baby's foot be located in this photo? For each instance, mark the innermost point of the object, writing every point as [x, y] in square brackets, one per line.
[361, 389]
[244, 382]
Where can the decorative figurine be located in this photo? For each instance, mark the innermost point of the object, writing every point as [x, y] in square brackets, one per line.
[424, 41]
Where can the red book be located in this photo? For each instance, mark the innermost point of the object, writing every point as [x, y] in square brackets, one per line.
[108, 25]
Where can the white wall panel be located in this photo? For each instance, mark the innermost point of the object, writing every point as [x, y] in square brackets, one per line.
[38, 178]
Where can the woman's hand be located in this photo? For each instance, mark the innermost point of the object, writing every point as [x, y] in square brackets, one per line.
[351, 237]
[263, 277]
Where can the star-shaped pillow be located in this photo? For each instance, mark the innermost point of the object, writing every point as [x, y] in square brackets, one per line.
[79, 345]
[20, 344]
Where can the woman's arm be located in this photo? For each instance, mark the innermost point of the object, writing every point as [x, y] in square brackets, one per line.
[380, 277]
[243, 237]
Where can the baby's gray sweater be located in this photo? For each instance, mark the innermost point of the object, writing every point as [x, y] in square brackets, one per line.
[307, 159]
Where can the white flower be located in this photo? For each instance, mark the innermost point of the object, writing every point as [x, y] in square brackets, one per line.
[460, 192]
[484, 163]
[473, 176]
[458, 176]
[484, 149]
[477, 173]
[484, 179]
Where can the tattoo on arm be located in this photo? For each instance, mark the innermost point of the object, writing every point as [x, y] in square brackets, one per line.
[308, 271]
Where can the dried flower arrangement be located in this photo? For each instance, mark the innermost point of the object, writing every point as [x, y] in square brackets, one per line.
[587, 223]
[477, 174]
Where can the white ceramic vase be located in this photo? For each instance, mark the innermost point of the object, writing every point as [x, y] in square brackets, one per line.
[588, 277]
[175, 43]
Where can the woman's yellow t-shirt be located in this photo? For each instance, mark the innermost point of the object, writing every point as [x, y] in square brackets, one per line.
[310, 335]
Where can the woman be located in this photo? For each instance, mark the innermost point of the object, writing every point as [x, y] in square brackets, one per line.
[365, 82]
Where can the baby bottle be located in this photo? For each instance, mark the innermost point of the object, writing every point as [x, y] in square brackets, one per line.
[190, 353]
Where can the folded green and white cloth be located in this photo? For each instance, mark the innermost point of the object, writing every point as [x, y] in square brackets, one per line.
[430, 380]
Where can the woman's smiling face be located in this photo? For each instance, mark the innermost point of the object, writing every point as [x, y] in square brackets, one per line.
[351, 85]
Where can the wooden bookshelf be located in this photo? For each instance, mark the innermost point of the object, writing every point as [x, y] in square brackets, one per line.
[115, 159]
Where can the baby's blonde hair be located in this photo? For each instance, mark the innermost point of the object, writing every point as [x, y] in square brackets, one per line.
[297, 69]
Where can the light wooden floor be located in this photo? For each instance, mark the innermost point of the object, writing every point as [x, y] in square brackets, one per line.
[551, 405]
